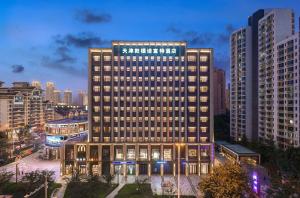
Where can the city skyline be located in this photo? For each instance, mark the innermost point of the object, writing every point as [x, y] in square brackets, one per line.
[57, 50]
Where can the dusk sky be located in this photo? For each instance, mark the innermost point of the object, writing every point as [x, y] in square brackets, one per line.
[49, 40]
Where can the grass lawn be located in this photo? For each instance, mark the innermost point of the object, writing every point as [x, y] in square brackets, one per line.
[130, 191]
[93, 189]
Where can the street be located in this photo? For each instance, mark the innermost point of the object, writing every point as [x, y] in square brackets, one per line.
[32, 163]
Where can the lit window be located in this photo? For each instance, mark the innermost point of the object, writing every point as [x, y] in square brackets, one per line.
[96, 108]
[203, 58]
[203, 119]
[192, 58]
[192, 109]
[203, 68]
[106, 98]
[203, 88]
[96, 98]
[96, 58]
[107, 78]
[107, 68]
[203, 109]
[107, 58]
[192, 98]
[191, 89]
[192, 78]
[115, 58]
[192, 68]
[96, 78]
[96, 119]
[203, 78]
[97, 68]
[203, 98]
[96, 88]
[203, 129]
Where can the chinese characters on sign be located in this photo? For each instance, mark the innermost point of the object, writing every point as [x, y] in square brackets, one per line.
[149, 50]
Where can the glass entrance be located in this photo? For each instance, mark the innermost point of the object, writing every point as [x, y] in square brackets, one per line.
[193, 168]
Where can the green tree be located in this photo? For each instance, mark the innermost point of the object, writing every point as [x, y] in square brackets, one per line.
[5, 177]
[108, 178]
[36, 178]
[228, 180]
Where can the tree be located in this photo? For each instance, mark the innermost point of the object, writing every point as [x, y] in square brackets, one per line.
[108, 178]
[5, 177]
[140, 184]
[36, 178]
[229, 180]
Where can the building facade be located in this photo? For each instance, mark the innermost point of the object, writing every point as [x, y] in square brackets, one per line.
[68, 100]
[219, 91]
[287, 89]
[150, 103]
[57, 96]
[50, 91]
[241, 85]
[275, 26]
[267, 92]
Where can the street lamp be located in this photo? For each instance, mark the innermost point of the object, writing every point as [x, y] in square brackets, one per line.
[178, 168]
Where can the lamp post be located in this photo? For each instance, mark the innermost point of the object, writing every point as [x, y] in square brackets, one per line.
[178, 168]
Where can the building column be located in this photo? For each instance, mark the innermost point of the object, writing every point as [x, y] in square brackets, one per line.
[161, 158]
[112, 154]
[100, 159]
[136, 160]
[199, 161]
[62, 161]
[186, 160]
[88, 163]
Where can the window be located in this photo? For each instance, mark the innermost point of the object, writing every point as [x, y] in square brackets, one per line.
[119, 154]
[203, 129]
[97, 98]
[203, 78]
[192, 78]
[203, 88]
[97, 68]
[155, 154]
[203, 68]
[203, 109]
[203, 58]
[192, 58]
[96, 58]
[131, 154]
[168, 154]
[96, 88]
[203, 98]
[203, 119]
[107, 58]
[143, 154]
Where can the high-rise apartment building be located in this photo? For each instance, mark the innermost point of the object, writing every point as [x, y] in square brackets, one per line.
[82, 98]
[57, 96]
[264, 81]
[287, 55]
[275, 26]
[36, 84]
[219, 91]
[68, 97]
[241, 85]
[147, 102]
[50, 91]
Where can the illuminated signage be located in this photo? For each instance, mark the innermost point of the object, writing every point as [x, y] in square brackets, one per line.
[54, 140]
[149, 50]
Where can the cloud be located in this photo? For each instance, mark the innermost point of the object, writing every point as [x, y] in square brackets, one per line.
[202, 38]
[81, 40]
[88, 16]
[224, 37]
[57, 64]
[63, 55]
[17, 69]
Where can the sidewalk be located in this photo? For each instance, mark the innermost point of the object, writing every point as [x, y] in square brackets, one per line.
[116, 190]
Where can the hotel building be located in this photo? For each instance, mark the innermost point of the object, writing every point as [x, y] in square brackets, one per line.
[150, 104]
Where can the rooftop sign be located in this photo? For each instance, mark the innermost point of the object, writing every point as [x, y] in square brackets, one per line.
[149, 50]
